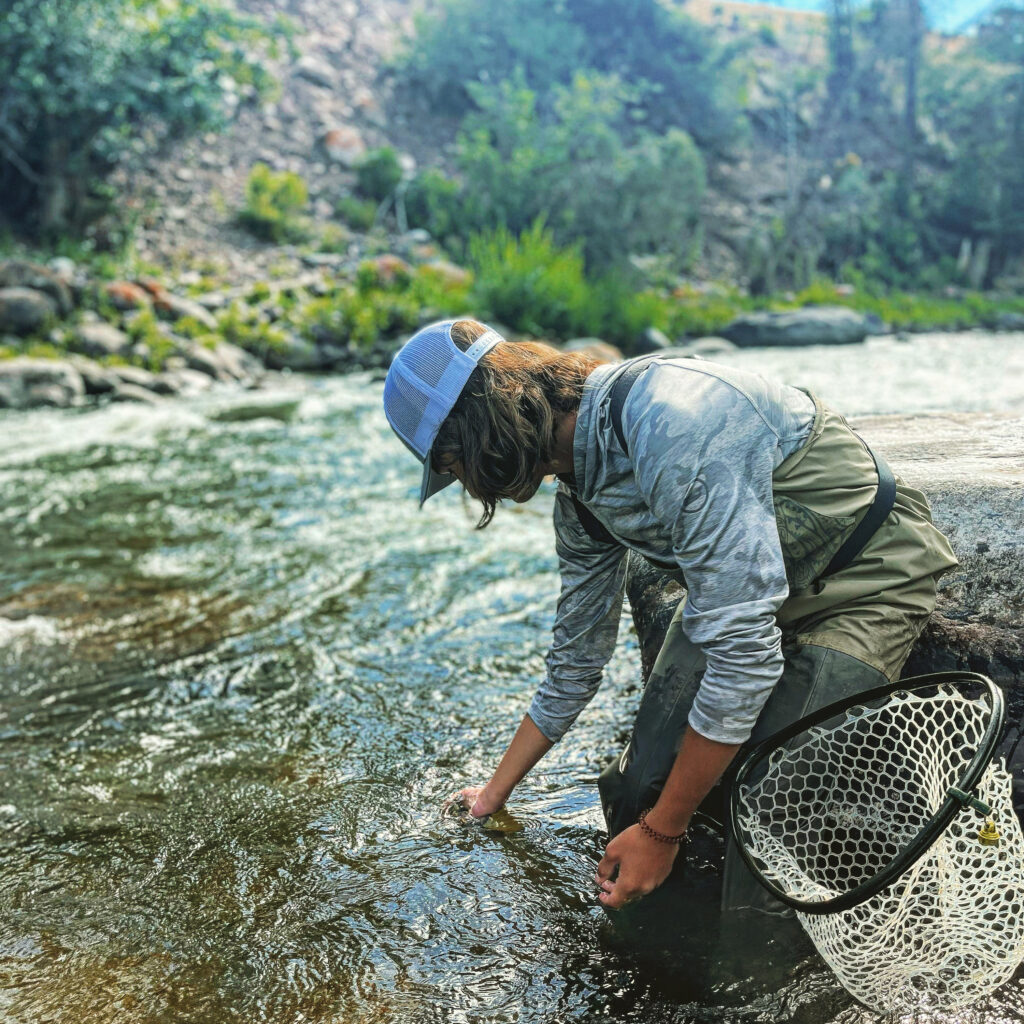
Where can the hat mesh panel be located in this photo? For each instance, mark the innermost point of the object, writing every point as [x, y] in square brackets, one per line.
[405, 404]
[426, 362]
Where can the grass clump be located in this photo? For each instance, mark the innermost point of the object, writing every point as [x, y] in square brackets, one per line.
[388, 297]
[358, 214]
[250, 328]
[274, 204]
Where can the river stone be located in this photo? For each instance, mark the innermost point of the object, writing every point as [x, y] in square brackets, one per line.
[316, 70]
[28, 383]
[136, 376]
[184, 381]
[25, 274]
[101, 339]
[1007, 321]
[98, 380]
[24, 310]
[126, 392]
[815, 325]
[295, 354]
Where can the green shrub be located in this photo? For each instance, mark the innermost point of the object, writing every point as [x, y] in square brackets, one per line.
[250, 329]
[359, 214]
[334, 238]
[378, 174]
[382, 304]
[530, 284]
[677, 73]
[274, 202]
[574, 169]
[433, 202]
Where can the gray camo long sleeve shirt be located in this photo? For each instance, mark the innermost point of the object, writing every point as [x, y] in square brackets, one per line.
[695, 490]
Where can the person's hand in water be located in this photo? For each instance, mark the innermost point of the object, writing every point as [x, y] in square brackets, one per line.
[643, 864]
[475, 800]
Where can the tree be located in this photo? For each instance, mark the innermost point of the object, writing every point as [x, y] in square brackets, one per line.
[83, 81]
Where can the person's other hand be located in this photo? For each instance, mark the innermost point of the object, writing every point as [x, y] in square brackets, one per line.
[475, 798]
[643, 864]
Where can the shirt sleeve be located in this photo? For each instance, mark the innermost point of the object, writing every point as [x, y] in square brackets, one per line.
[586, 622]
[703, 461]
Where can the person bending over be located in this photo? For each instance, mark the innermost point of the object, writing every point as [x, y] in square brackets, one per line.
[809, 570]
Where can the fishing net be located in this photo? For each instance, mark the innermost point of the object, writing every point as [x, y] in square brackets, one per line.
[888, 828]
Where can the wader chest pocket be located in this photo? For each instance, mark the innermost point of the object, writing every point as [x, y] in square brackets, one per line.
[809, 539]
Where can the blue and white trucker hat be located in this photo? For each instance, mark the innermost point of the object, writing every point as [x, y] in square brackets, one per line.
[425, 380]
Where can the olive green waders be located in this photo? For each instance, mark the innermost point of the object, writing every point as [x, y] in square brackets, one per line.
[842, 634]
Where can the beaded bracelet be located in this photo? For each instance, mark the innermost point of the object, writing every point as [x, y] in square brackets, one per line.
[654, 833]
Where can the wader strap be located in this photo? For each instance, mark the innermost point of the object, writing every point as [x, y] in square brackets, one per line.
[879, 511]
[593, 526]
[620, 392]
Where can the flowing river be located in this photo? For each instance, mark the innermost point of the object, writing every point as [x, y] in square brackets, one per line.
[239, 673]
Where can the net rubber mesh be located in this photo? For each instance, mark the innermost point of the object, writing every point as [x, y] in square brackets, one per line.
[836, 806]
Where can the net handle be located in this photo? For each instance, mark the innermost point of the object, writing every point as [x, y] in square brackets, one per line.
[931, 829]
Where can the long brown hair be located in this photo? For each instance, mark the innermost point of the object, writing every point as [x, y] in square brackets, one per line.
[503, 425]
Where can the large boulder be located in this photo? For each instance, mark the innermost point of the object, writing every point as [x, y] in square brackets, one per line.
[28, 383]
[814, 325]
[25, 274]
[25, 310]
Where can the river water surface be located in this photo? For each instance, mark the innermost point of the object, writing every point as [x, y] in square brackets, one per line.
[240, 672]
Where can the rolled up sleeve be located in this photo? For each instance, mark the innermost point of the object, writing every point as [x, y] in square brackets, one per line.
[586, 624]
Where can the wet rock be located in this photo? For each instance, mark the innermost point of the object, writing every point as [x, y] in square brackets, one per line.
[295, 354]
[594, 347]
[184, 381]
[98, 380]
[343, 145]
[24, 310]
[226, 362]
[818, 325]
[25, 274]
[100, 339]
[126, 392]
[28, 383]
[136, 376]
[264, 407]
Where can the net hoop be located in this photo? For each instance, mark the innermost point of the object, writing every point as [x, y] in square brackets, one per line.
[929, 831]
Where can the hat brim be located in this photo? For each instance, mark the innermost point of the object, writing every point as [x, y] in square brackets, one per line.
[433, 482]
